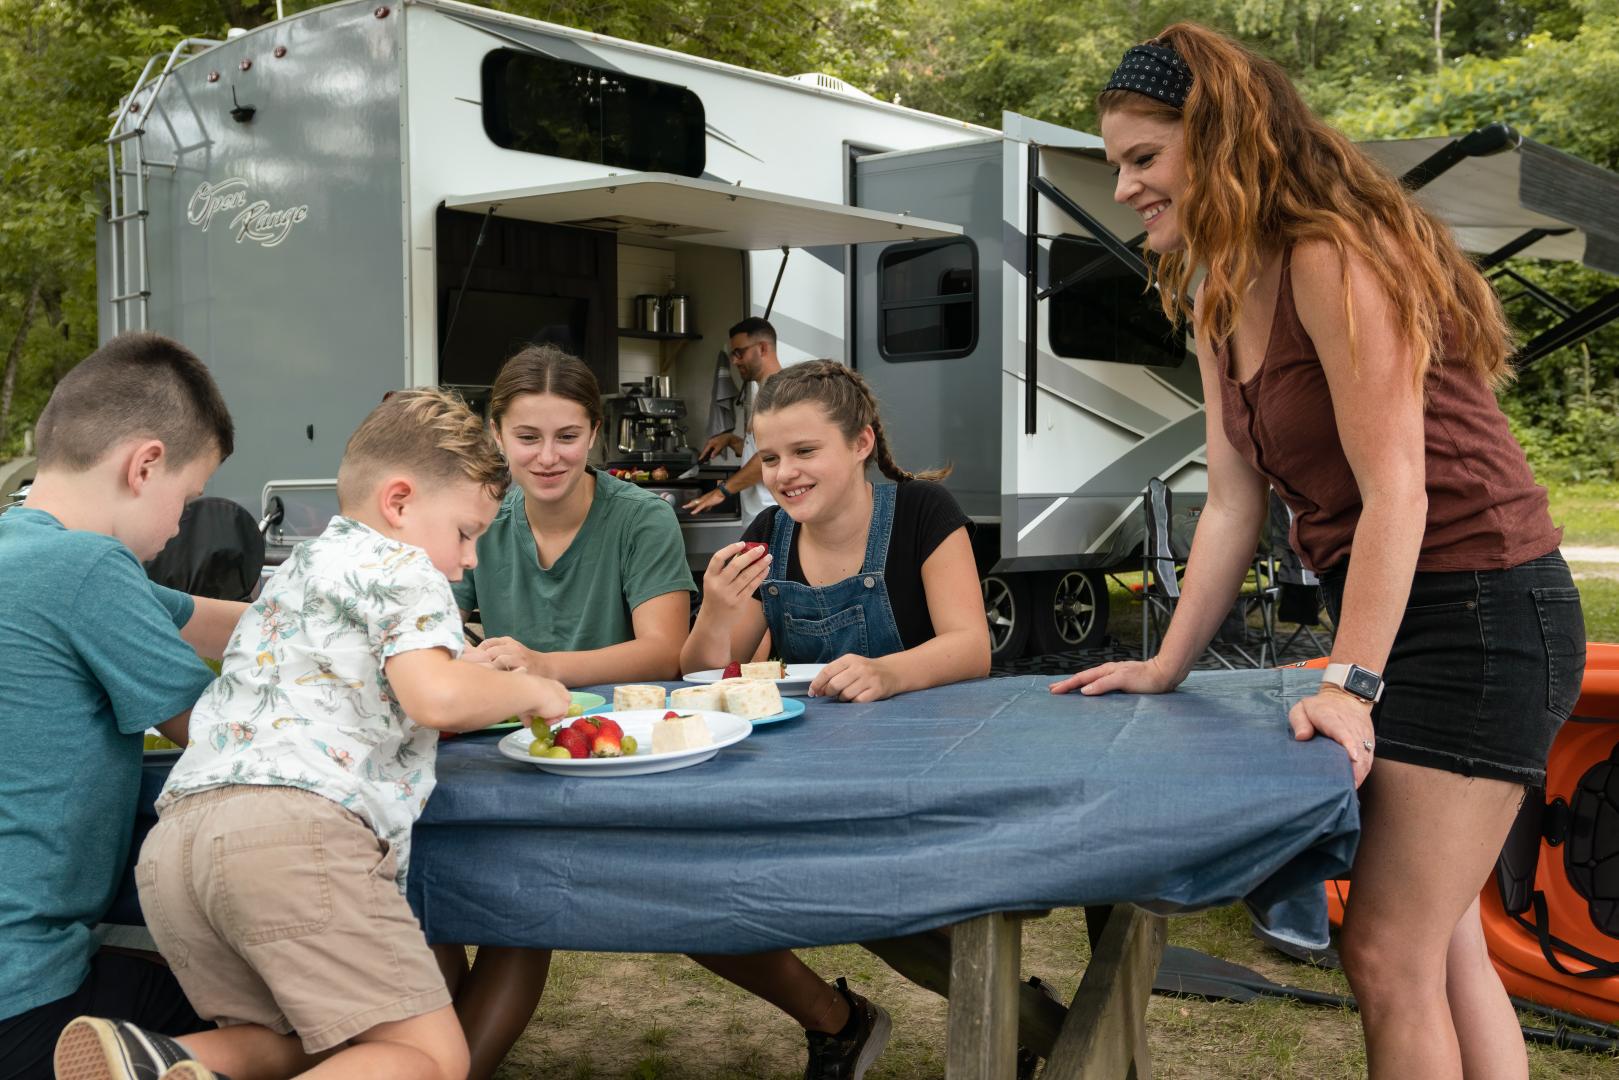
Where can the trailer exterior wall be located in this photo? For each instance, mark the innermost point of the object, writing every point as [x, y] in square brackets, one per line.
[302, 326]
[764, 132]
[940, 410]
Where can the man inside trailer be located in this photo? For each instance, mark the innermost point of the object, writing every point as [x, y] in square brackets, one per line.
[753, 356]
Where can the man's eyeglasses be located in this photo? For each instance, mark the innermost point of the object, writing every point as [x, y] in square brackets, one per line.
[738, 354]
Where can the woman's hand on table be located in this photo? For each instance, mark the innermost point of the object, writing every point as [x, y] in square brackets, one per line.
[855, 678]
[1341, 717]
[508, 654]
[733, 575]
[1129, 676]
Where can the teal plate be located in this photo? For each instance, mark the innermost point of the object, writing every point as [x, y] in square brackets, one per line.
[791, 709]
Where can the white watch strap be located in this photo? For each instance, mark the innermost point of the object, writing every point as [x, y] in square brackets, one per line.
[1338, 675]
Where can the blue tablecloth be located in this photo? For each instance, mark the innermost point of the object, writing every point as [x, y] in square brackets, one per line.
[865, 821]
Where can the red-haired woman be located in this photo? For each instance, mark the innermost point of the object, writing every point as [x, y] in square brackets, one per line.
[1349, 352]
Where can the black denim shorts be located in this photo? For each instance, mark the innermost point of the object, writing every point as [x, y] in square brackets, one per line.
[1485, 668]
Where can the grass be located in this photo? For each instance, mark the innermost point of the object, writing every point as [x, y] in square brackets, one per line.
[709, 1030]
[1599, 596]
[1588, 513]
[664, 1018]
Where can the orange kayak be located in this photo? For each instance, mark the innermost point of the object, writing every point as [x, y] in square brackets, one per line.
[1551, 910]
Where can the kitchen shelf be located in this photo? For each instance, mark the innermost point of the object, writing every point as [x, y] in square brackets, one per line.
[656, 335]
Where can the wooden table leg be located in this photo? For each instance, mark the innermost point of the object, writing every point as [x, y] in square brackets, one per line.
[1105, 1034]
[982, 1031]
[924, 959]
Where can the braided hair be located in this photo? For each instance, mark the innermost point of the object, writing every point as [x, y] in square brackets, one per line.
[848, 402]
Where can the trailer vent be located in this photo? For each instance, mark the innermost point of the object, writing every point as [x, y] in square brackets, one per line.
[831, 83]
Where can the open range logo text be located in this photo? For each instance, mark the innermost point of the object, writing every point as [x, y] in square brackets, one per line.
[251, 220]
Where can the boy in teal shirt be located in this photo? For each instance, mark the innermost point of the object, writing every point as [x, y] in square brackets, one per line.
[94, 655]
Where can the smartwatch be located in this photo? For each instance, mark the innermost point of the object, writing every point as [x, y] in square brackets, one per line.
[1354, 679]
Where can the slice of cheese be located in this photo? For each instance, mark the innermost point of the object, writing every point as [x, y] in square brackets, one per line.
[638, 697]
[680, 733]
[765, 669]
[698, 697]
[752, 699]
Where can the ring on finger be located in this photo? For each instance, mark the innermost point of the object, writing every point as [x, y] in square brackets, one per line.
[1367, 743]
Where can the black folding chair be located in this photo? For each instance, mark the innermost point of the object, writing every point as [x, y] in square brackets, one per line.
[1299, 600]
[218, 552]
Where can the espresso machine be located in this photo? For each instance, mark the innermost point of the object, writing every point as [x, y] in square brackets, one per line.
[646, 444]
[646, 426]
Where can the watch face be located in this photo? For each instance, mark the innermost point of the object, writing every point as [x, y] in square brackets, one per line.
[1362, 683]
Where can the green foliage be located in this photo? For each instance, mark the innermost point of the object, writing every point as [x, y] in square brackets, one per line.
[1580, 445]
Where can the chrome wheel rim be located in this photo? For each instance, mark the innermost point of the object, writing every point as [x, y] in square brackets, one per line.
[1001, 610]
[1073, 607]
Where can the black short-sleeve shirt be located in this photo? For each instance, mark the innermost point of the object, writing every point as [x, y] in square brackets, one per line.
[925, 514]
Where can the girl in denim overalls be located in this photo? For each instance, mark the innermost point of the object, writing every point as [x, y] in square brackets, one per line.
[835, 583]
[876, 581]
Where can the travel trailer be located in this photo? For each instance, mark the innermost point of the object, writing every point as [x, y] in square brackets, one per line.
[366, 197]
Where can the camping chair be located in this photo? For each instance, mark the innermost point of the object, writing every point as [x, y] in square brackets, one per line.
[1164, 556]
[1299, 600]
[218, 552]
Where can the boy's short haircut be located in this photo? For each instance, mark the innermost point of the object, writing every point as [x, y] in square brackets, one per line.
[428, 433]
[139, 385]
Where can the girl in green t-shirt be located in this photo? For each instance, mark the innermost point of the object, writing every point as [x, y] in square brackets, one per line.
[582, 577]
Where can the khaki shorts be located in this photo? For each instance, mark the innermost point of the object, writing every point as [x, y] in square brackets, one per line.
[278, 907]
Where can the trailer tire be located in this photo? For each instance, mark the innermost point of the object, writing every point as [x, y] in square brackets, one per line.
[1070, 610]
[1006, 607]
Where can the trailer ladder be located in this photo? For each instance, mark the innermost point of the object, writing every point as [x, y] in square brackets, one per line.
[127, 171]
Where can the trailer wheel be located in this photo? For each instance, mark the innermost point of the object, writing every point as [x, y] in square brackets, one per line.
[1006, 606]
[1070, 609]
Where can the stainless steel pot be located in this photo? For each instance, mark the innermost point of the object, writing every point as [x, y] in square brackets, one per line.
[677, 313]
[649, 312]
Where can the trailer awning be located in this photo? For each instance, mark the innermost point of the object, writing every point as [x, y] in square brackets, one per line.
[666, 207]
[1491, 201]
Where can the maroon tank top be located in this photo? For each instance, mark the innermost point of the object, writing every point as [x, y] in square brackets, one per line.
[1485, 511]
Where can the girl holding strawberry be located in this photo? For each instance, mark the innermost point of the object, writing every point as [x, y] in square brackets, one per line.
[876, 581]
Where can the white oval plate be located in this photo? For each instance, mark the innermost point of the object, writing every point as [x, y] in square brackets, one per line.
[796, 684]
[726, 728]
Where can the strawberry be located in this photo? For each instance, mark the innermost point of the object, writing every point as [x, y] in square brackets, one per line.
[573, 742]
[587, 726]
[671, 715]
[750, 545]
[608, 744]
[733, 670]
[606, 725]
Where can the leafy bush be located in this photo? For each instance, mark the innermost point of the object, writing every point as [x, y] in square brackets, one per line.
[1580, 444]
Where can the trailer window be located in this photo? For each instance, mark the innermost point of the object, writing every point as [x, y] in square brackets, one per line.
[927, 300]
[1106, 315]
[542, 105]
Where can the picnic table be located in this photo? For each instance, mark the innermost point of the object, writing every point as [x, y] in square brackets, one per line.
[971, 807]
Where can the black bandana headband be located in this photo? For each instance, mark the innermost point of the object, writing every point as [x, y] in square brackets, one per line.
[1156, 71]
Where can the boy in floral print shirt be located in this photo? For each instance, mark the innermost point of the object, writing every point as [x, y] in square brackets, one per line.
[273, 882]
